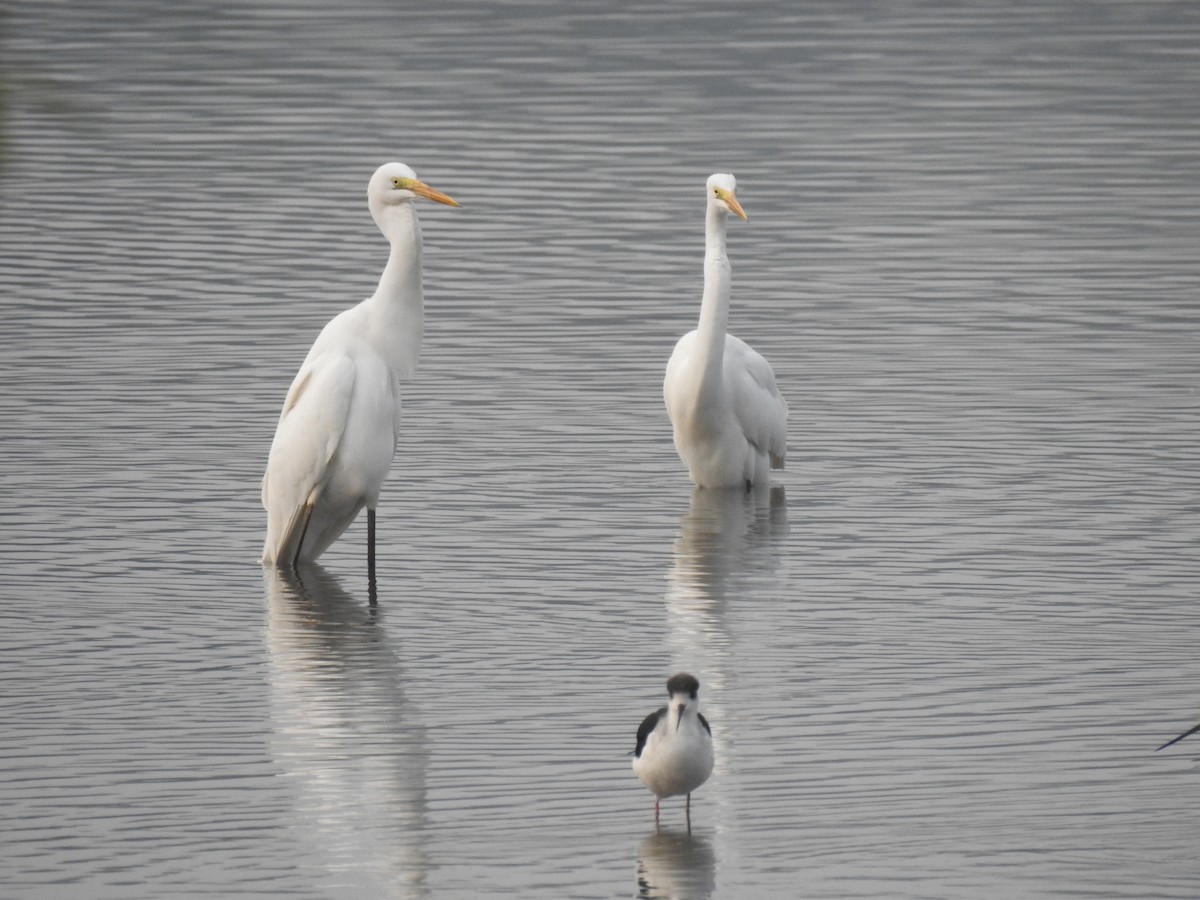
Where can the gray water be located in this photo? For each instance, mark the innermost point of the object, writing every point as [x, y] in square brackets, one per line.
[937, 656]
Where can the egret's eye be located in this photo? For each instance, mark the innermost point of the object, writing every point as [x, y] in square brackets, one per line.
[395, 182]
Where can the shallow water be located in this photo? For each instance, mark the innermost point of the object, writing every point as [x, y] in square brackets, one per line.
[937, 656]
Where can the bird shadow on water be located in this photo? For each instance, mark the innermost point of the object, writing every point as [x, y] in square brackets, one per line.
[675, 864]
[344, 734]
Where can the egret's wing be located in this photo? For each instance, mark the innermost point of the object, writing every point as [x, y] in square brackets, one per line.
[759, 406]
[676, 365]
[310, 429]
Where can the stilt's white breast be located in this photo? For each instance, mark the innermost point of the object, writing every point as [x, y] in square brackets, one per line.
[676, 761]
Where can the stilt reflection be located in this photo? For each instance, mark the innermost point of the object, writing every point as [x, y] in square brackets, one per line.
[676, 865]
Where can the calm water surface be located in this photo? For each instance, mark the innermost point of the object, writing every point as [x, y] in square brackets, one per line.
[937, 654]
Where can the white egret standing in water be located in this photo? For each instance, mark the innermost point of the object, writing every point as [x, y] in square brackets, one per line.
[341, 419]
[729, 419]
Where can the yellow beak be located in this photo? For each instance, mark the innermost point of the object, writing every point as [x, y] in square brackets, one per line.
[421, 189]
[731, 201]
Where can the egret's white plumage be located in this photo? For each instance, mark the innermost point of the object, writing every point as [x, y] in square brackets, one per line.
[338, 428]
[674, 752]
[729, 419]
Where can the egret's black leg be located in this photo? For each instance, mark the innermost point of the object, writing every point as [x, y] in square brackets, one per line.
[371, 556]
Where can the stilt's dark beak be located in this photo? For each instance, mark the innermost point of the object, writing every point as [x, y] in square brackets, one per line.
[682, 706]
[1178, 739]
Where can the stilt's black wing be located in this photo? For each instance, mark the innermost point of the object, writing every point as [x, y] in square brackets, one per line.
[1163, 747]
[704, 722]
[648, 725]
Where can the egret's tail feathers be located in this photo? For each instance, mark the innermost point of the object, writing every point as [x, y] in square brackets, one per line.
[286, 550]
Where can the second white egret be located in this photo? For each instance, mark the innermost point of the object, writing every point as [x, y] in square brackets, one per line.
[729, 419]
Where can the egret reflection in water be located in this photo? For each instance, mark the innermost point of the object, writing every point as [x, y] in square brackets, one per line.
[677, 865]
[727, 539]
[343, 732]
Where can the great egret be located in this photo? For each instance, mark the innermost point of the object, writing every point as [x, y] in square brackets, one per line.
[729, 419]
[674, 753]
[341, 419]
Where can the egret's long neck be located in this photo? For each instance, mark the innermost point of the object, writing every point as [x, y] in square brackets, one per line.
[397, 307]
[714, 307]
